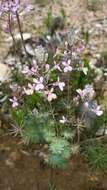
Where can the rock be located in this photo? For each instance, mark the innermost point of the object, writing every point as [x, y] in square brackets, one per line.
[9, 163]
[41, 54]
[13, 62]
[29, 49]
[10, 60]
[15, 156]
[3, 99]
[101, 132]
[5, 73]
[26, 36]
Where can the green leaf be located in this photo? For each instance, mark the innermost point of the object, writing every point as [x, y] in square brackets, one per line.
[49, 132]
[56, 160]
[18, 116]
[53, 76]
[58, 145]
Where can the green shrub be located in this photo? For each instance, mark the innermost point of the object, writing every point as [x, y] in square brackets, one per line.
[96, 155]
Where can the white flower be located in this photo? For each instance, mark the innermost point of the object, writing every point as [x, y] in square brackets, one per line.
[63, 120]
[85, 70]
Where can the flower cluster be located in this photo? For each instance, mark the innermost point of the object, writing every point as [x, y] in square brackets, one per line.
[12, 9]
[87, 95]
[50, 80]
[11, 6]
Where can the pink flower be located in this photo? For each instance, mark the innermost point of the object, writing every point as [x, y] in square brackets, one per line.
[30, 89]
[14, 87]
[28, 7]
[14, 102]
[81, 93]
[57, 66]
[80, 49]
[67, 66]
[97, 110]
[38, 84]
[33, 70]
[28, 71]
[47, 67]
[9, 6]
[60, 84]
[88, 92]
[86, 104]
[50, 95]
[93, 107]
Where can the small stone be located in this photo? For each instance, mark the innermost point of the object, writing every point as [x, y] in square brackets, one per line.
[10, 60]
[15, 156]
[26, 36]
[41, 54]
[9, 163]
[5, 73]
[101, 132]
[29, 49]
[99, 26]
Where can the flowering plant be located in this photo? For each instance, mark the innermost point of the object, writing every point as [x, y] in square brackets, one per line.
[44, 96]
[51, 87]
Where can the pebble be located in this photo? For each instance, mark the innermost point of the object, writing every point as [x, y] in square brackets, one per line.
[5, 73]
[26, 36]
[12, 158]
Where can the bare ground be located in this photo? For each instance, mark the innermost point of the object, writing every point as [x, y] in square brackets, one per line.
[20, 170]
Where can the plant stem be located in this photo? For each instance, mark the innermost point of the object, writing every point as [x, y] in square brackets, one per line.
[96, 139]
[78, 127]
[68, 95]
[20, 30]
[51, 176]
[10, 29]
[38, 186]
[14, 42]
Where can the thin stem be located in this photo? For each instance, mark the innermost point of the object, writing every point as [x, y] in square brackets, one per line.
[12, 35]
[96, 139]
[10, 29]
[68, 94]
[51, 177]
[20, 30]
[78, 134]
[78, 127]
[53, 116]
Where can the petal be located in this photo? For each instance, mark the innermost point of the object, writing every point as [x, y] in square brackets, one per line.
[39, 87]
[99, 112]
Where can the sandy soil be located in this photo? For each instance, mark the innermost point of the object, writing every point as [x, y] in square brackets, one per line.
[20, 170]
